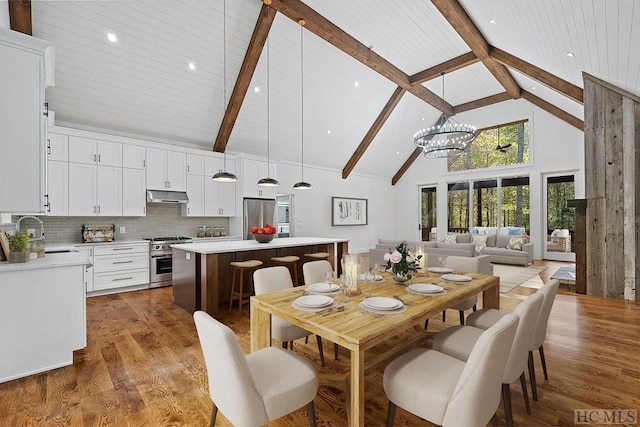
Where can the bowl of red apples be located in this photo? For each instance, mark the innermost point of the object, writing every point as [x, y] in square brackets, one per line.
[263, 234]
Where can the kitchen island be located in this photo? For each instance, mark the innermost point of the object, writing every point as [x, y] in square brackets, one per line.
[202, 271]
[42, 313]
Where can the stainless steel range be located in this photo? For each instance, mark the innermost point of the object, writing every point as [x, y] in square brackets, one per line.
[160, 262]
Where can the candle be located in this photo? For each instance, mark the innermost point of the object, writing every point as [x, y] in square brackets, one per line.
[420, 251]
[351, 267]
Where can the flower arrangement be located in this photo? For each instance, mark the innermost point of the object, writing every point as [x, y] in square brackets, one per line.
[401, 261]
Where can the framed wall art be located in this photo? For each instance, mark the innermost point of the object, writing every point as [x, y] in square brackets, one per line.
[348, 211]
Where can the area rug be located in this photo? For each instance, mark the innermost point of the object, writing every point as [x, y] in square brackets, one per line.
[512, 276]
[566, 275]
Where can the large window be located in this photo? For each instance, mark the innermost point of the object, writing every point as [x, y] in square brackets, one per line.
[500, 202]
[485, 203]
[428, 209]
[504, 145]
[458, 206]
[515, 202]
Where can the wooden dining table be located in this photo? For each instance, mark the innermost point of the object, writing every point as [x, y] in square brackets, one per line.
[358, 330]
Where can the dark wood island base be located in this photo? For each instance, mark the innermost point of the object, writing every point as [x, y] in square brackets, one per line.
[202, 271]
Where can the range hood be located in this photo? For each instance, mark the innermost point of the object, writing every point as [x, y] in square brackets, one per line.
[159, 196]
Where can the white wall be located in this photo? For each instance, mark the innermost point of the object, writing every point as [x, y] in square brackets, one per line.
[4, 14]
[555, 147]
[312, 208]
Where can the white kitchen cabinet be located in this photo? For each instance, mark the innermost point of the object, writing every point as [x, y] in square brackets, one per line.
[87, 251]
[27, 68]
[57, 147]
[57, 188]
[134, 192]
[166, 170]
[109, 191]
[118, 266]
[95, 190]
[134, 156]
[92, 151]
[219, 197]
[252, 172]
[195, 164]
[195, 191]
[82, 189]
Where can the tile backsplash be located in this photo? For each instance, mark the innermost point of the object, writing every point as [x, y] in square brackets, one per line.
[161, 220]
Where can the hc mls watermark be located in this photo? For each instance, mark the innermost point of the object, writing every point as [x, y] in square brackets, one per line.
[605, 416]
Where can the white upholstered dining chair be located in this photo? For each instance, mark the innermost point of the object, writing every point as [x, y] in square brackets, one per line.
[273, 279]
[479, 264]
[485, 318]
[254, 389]
[458, 341]
[447, 391]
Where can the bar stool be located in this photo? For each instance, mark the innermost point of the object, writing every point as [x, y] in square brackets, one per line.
[291, 262]
[317, 256]
[237, 270]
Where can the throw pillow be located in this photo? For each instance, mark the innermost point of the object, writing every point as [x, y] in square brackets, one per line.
[514, 231]
[480, 241]
[516, 243]
[449, 238]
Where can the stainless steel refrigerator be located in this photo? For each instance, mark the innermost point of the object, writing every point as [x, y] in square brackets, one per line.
[258, 212]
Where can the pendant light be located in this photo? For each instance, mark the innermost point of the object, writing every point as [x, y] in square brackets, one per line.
[268, 181]
[302, 185]
[223, 175]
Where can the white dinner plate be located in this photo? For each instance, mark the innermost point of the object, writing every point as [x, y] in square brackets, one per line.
[442, 270]
[425, 288]
[382, 303]
[314, 301]
[378, 277]
[324, 288]
[456, 278]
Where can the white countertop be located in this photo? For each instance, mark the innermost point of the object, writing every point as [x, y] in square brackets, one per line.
[252, 245]
[49, 261]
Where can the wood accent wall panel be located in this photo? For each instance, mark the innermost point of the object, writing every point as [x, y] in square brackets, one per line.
[612, 174]
[614, 217]
[596, 246]
[636, 195]
[580, 241]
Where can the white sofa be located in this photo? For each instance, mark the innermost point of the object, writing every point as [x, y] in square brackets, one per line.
[466, 245]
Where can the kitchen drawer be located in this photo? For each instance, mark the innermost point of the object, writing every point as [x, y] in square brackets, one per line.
[122, 249]
[120, 262]
[120, 280]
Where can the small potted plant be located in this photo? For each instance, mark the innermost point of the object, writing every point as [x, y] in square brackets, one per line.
[18, 247]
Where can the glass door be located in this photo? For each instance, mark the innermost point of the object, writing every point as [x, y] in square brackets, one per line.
[559, 221]
[428, 213]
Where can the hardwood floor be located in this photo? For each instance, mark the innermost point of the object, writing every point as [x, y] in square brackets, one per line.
[143, 367]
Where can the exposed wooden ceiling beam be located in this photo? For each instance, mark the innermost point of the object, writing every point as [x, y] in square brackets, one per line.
[465, 27]
[430, 98]
[251, 57]
[553, 110]
[482, 102]
[328, 31]
[20, 16]
[449, 66]
[373, 131]
[554, 82]
[405, 166]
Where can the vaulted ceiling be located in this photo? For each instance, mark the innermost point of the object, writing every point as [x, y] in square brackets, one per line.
[371, 74]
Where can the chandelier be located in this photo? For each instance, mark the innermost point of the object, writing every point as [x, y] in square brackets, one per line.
[446, 137]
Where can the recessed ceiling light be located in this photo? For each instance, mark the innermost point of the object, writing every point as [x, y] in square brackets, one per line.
[492, 21]
[256, 89]
[423, 119]
[112, 37]
[356, 83]
[570, 54]
[533, 88]
[397, 152]
[329, 132]
[192, 66]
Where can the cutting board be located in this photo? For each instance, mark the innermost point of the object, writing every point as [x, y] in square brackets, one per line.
[4, 247]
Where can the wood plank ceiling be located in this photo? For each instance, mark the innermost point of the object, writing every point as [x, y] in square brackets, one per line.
[361, 59]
